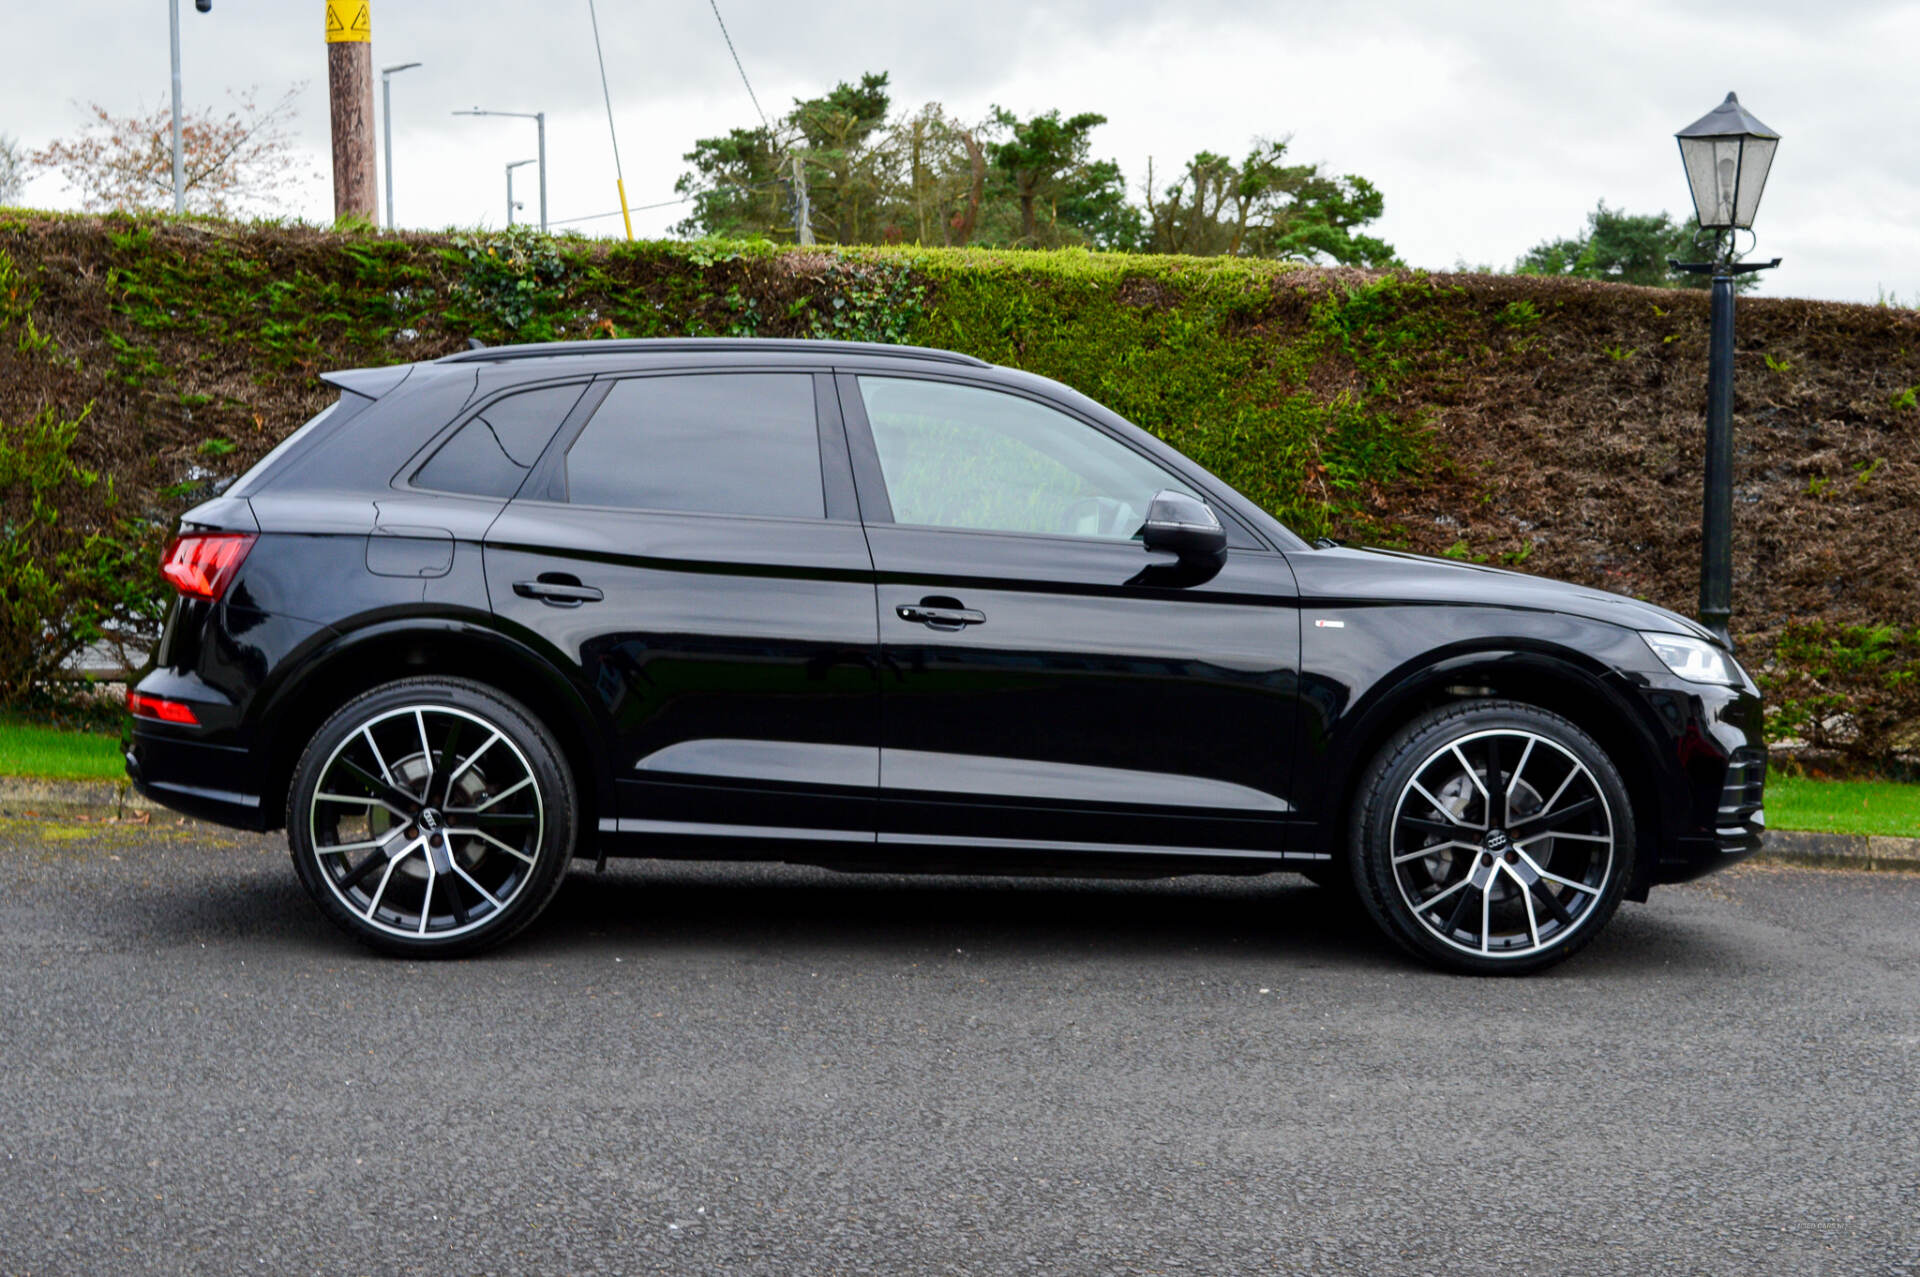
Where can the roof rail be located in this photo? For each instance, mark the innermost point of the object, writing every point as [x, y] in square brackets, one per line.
[713, 345]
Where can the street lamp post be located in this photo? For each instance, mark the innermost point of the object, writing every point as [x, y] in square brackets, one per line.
[510, 202]
[179, 145]
[1727, 153]
[386, 125]
[540, 120]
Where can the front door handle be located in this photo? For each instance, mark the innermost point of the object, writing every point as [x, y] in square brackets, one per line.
[943, 614]
[558, 590]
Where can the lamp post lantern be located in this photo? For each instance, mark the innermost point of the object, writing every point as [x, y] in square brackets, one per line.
[540, 120]
[1727, 154]
[386, 125]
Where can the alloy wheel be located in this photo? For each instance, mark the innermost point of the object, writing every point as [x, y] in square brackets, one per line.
[427, 822]
[1502, 843]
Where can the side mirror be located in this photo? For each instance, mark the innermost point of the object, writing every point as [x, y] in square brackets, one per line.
[1183, 525]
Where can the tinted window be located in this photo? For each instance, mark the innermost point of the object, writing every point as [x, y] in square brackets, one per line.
[491, 454]
[963, 457]
[721, 443]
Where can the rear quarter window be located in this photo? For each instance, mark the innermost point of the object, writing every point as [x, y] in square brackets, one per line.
[492, 454]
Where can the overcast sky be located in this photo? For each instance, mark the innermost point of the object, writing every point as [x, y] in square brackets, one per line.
[1488, 126]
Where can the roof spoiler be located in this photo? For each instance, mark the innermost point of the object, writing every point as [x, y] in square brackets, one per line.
[371, 382]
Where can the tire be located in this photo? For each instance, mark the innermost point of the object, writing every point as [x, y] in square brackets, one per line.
[432, 818]
[1502, 896]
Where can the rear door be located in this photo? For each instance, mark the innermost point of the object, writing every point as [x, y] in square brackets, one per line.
[693, 548]
[1042, 693]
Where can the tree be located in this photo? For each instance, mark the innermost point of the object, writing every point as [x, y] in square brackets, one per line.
[12, 170]
[849, 179]
[1266, 207]
[740, 183]
[1093, 203]
[234, 163]
[737, 186]
[1045, 160]
[1623, 248]
[1009, 181]
[944, 171]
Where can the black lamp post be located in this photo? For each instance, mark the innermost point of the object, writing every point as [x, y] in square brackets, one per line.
[1727, 153]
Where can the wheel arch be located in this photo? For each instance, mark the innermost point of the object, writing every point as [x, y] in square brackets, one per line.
[1560, 681]
[359, 660]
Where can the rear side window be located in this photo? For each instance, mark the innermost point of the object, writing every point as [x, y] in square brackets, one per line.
[492, 453]
[712, 443]
[347, 405]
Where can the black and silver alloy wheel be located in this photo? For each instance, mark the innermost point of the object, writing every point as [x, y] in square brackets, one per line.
[1494, 836]
[431, 817]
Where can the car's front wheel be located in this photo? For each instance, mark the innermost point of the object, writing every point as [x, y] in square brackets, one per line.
[1492, 837]
[432, 817]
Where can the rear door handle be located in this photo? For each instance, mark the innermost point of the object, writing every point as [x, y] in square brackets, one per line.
[940, 618]
[558, 591]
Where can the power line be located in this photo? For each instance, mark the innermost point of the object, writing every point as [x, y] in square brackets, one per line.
[637, 208]
[606, 93]
[684, 199]
[619, 177]
[736, 66]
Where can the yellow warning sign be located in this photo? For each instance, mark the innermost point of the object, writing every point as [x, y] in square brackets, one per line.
[348, 22]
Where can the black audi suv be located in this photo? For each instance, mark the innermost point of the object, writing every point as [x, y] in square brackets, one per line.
[887, 608]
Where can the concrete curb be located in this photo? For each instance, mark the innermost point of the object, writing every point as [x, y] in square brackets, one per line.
[1782, 846]
[103, 797]
[1853, 851]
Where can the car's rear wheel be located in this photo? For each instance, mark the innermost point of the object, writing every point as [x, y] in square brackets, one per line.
[432, 817]
[1492, 837]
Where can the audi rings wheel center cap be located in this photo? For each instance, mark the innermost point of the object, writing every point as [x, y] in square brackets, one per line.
[1496, 841]
[430, 821]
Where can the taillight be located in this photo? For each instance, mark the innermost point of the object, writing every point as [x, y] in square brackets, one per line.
[201, 565]
[140, 705]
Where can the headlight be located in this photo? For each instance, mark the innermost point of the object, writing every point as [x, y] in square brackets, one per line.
[1695, 660]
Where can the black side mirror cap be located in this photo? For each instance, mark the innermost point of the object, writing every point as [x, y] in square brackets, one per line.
[1183, 525]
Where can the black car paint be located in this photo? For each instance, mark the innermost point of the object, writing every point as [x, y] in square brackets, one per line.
[748, 687]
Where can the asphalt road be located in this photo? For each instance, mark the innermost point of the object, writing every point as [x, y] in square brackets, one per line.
[772, 1070]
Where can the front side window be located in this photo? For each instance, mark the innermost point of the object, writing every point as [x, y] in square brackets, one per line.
[964, 457]
[711, 443]
[492, 453]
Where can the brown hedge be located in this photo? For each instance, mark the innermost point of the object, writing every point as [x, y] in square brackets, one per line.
[1547, 424]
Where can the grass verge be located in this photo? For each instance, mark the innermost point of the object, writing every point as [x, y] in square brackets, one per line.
[1843, 806]
[56, 753]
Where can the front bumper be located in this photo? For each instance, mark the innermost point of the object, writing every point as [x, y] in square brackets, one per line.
[1717, 814]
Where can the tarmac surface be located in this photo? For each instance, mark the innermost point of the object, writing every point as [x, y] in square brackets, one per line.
[762, 1069]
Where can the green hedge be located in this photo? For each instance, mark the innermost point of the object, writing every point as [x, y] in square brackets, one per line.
[1515, 421]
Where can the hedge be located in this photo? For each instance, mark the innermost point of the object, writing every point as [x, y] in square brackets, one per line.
[1548, 425]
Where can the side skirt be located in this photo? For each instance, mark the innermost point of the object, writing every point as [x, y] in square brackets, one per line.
[864, 852]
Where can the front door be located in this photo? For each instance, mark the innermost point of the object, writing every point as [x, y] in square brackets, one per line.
[695, 551]
[1039, 692]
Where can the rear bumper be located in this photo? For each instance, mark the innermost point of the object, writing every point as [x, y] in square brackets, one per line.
[208, 782]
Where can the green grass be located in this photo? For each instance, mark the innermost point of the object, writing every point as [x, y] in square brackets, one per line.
[1843, 806]
[55, 753]
[1793, 802]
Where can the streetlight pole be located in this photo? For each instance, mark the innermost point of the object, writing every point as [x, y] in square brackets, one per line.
[540, 120]
[179, 144]
[386, 124]
[1727, 154]
[510, 204]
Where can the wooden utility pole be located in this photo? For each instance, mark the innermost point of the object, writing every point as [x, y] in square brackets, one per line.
[350, 92]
